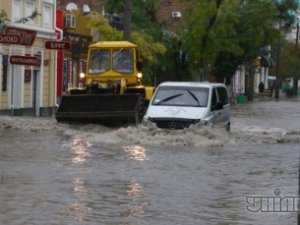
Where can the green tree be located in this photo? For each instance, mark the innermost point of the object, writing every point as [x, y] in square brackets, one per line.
[290, 61]
[143, 14]
[227, 33]
[105, 30]
[223, 34]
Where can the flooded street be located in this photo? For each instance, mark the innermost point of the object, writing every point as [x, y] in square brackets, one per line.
[60, 174]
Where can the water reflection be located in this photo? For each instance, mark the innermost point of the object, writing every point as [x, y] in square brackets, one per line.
[138, 204]
[79, 187]
[136, 152]
[79, 150]
[135, 189]
[79, 209]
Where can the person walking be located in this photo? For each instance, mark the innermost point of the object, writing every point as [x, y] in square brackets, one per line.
[261, 87]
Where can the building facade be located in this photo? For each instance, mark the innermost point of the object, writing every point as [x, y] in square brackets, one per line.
[78, 34]
[28, 89]
[171, 14]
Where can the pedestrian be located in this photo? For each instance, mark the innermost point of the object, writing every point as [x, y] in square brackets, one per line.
[261, 87]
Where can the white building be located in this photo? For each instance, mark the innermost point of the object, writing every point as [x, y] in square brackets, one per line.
[28, 89]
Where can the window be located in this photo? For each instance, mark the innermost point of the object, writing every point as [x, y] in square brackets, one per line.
[70, 21]
[29, 9]
[123, 60]
[99, 61]
[223, 96]
[4, 72]
[17, 12]
[48, 15]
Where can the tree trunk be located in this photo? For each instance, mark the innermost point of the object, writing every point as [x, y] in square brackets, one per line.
[295, 86]
[249, 80]
[251, 83]
[127, 19]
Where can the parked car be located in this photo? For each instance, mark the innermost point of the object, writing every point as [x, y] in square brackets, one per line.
[178, 105]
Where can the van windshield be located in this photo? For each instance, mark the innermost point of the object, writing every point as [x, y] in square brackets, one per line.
[181, 96]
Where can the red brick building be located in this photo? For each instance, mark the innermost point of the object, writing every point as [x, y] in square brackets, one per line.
[96, 5]
[171, 13]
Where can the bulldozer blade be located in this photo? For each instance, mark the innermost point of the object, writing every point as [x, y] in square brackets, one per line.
[102, 108]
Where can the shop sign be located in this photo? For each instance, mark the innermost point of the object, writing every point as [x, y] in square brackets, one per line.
[17, 36]
[9, 39]
[25, 60]
[57, 45]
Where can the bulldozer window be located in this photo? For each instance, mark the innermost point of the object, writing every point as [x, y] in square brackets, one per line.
[123, 60]
[99, 61]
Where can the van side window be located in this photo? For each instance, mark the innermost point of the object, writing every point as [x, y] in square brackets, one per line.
[223, 96]
[214, 98]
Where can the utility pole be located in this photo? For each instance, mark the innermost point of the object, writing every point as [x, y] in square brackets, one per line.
[127, 19]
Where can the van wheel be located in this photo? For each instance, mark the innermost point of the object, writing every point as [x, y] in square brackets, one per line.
[228, 127]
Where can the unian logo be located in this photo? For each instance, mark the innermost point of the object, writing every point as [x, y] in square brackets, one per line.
[276, 203]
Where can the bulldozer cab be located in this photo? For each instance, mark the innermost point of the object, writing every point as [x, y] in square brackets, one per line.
[112, 61]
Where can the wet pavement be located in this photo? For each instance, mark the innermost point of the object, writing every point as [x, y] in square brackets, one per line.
[50, 177]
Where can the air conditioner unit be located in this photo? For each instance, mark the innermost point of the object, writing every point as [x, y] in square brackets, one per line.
[176, 14]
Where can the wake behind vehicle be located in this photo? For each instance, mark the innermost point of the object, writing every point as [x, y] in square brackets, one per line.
[178, 105]
[113, 90]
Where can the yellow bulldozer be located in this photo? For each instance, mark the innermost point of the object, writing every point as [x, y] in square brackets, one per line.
[113, 90]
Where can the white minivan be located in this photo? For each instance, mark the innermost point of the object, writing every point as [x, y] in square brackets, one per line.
[178, 105]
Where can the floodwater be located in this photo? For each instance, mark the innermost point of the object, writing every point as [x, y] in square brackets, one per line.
[50, 176]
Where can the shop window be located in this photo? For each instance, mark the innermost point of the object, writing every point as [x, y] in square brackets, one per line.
[4, 72]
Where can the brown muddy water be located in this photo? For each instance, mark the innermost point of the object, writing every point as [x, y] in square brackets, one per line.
[61, 174]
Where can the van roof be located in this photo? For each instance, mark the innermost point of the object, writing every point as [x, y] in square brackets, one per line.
[192, 84]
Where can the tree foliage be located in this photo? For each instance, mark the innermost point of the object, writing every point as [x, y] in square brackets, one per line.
[227, 33]
[105, 30]
[143, 14]
[290, 61]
